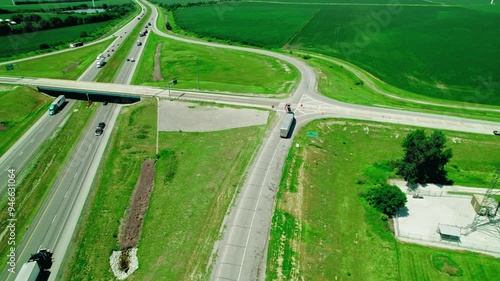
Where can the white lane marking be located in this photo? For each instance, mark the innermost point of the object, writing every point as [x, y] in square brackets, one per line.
[21, 153]
[75, 175]
[53, 220]
[32, 140]
[65, 194]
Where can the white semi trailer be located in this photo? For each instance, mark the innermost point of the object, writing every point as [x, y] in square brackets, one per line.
[287, 124]
[29, 272]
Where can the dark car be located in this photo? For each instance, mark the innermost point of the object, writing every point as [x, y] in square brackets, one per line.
[105, 103]
[100, 129]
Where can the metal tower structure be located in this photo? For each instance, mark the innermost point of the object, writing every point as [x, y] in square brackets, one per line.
[487, 213]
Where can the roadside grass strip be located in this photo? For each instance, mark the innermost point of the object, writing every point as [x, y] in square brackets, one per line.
[197, 175]
[216, 69]
[20, 108]
[68, 65]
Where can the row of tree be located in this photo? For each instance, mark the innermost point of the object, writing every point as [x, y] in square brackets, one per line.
[34, 22]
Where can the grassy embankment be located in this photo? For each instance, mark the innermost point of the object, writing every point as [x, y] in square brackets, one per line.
[192, 191]
[418, 61]
[20, 108]
[218, 69]
[337, 82]
[68, 65]
[321, 227]
[41, 173]
[115, 62]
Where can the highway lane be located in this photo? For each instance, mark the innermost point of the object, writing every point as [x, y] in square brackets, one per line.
[46, 229]
[28, 145]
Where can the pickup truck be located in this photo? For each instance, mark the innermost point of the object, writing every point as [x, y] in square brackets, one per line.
[100, 128]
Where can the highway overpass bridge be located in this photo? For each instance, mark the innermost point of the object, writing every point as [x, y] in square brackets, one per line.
[121, 93]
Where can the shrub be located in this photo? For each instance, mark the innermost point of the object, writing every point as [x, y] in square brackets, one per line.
[385, 197]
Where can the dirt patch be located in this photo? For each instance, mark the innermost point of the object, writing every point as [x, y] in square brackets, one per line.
[139, 205]
[157, 71]
[3, 127]
[71, 66]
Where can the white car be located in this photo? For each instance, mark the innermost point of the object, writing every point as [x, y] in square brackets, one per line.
[132, 59]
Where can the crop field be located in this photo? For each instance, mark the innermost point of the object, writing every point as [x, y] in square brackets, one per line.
[193, 188]
[218, 69]
[322, 230]
[22, 43]
[447, 52]
[267, 25]
[67, 65]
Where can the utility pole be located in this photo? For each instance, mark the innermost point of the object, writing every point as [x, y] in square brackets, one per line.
[13, 3]
[197, 74]
[174, 82]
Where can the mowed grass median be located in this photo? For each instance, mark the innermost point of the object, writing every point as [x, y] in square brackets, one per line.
[20, 108]
[322, 230]
[196, 176]
[218, 69]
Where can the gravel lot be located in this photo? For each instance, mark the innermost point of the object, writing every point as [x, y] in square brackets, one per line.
[192, 117]
[419, 222]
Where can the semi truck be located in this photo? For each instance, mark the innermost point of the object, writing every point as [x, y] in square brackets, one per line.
[287, 124]
[56, 105]
[100, 62]
[30, 271]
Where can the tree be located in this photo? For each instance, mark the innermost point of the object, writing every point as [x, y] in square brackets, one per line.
[385, 197]
[425, 158]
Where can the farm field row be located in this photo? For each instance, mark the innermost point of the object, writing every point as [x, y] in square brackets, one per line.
[218, 69]
[192, 191]
[321, 226]
[391, 42]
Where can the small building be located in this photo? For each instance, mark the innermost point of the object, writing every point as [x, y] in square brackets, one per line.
[449, 232]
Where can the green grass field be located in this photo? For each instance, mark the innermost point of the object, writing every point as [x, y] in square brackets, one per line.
[218, 69]
[68, 65]
[21, 5]
[393, 43]
[322, 229]
[340, 83]
[41, 172]
[27, 42]
[20, 107]
[192, 191]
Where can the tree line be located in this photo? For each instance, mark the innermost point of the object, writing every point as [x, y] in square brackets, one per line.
[33, 22]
